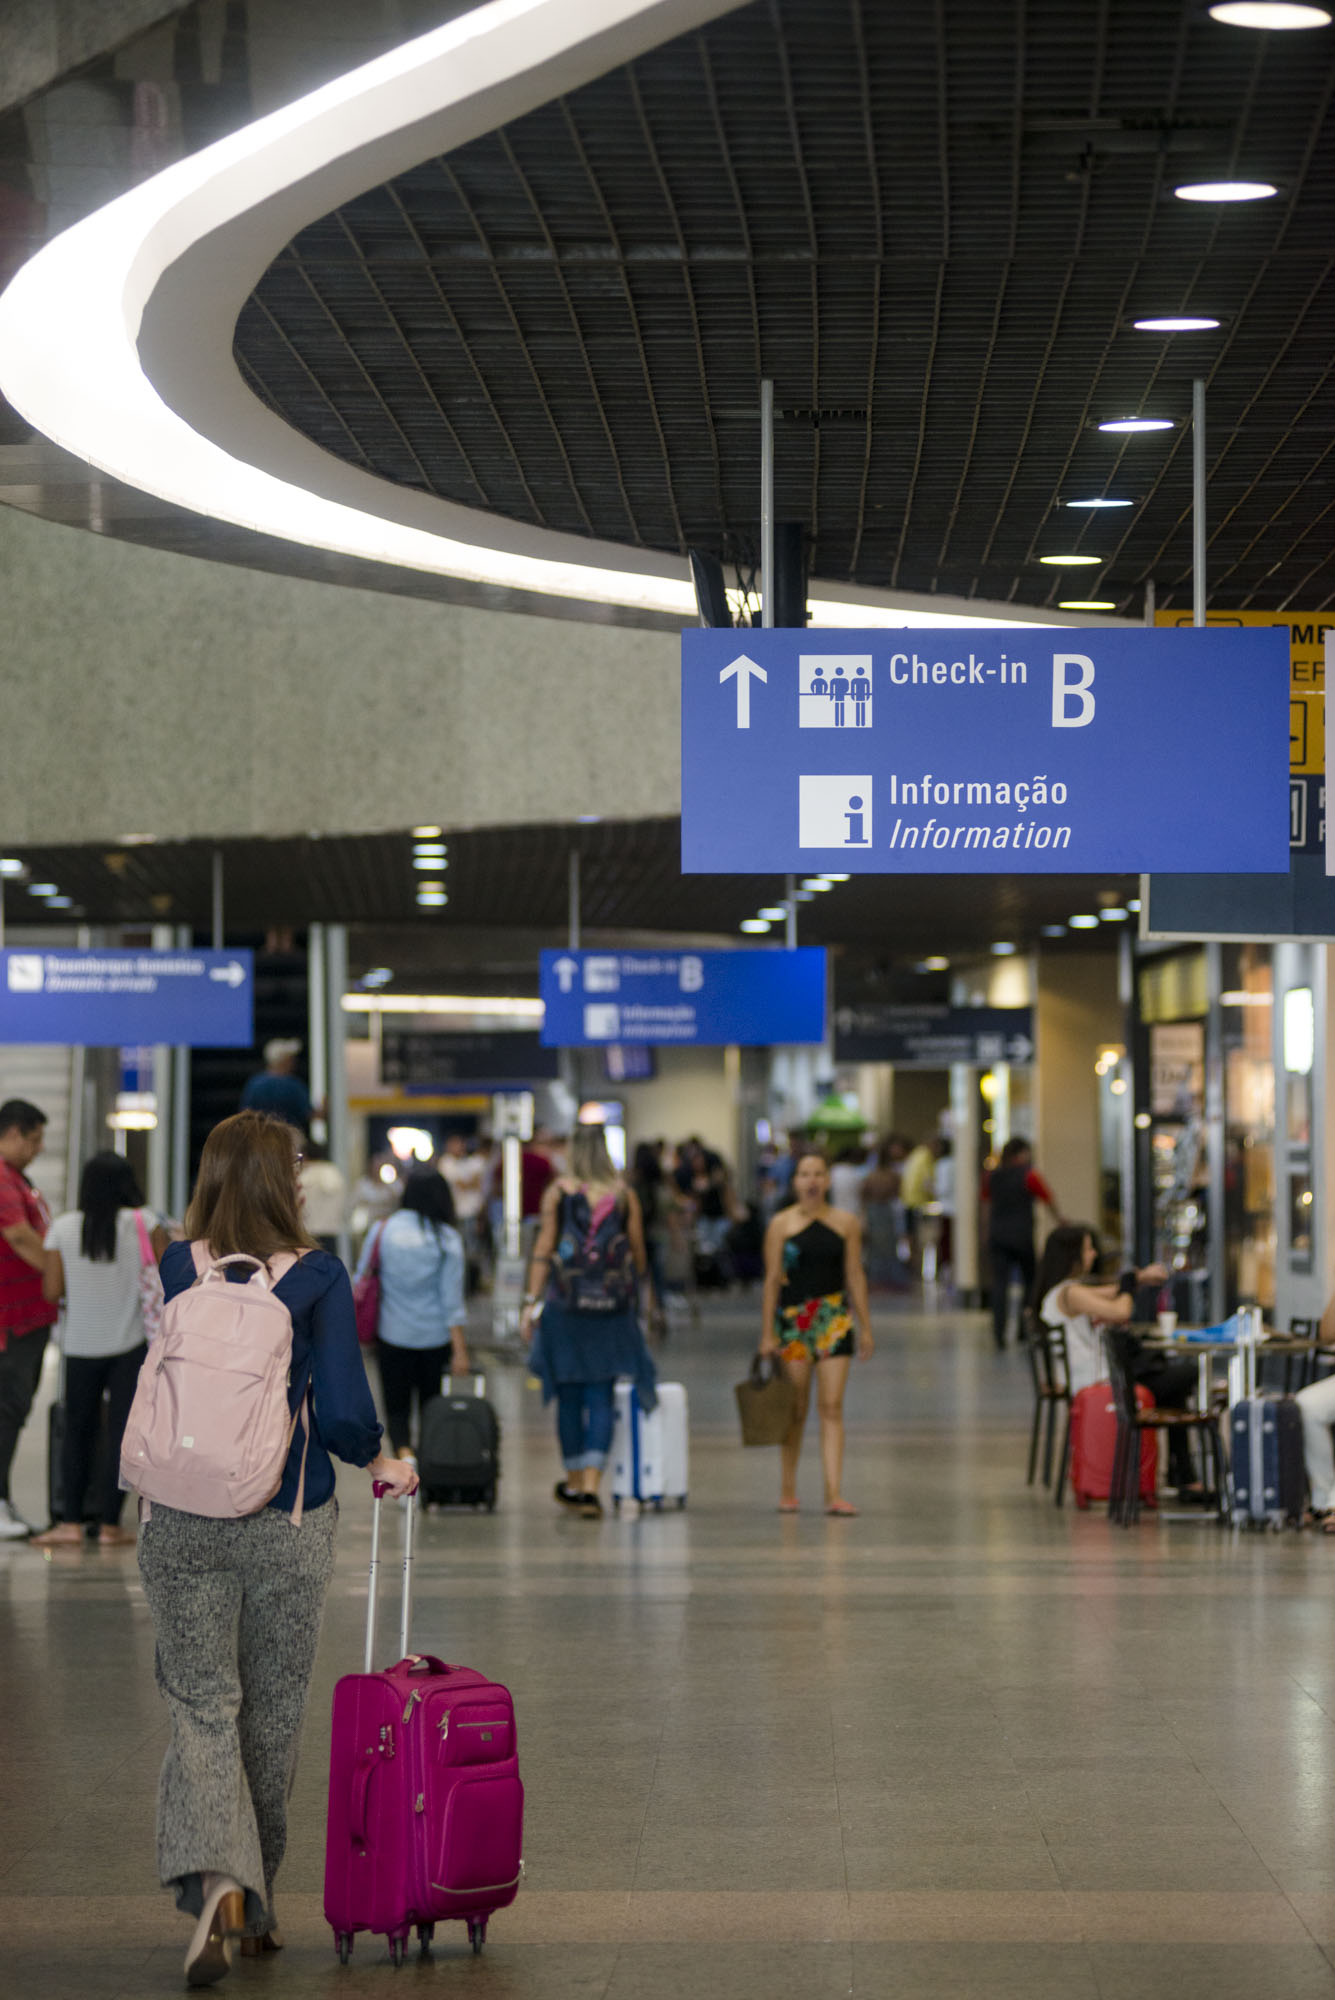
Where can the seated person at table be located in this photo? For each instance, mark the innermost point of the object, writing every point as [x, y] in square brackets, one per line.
[1317, 1403]
[1068, 1296]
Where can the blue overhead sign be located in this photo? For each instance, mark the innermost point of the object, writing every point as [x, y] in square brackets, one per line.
[595, 999]
[1016, 750]
[933, 1037]
[205, 999]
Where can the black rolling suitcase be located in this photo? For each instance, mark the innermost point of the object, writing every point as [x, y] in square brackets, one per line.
[459, 1454]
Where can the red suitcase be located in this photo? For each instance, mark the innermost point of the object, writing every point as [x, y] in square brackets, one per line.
[426, 1809]
[1094, 1440]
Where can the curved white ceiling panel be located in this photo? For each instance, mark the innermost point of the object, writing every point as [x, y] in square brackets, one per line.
[116, 338]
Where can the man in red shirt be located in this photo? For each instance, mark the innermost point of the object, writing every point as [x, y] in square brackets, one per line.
[25, 1316]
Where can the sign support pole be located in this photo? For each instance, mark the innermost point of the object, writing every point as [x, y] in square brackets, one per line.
[217, 899]
[767, 503]
[573, 925]
[1198, 502]
[336, 1060]
[179, 1194]
[790, 921]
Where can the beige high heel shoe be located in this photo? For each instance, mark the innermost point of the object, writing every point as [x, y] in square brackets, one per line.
[222, 1919]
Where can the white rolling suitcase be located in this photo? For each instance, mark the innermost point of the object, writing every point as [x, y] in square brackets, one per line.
[650, 1455]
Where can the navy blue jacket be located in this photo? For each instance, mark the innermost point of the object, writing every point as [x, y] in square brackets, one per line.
[325, 1354]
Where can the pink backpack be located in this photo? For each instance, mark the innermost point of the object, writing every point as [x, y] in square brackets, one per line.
[209, 1429]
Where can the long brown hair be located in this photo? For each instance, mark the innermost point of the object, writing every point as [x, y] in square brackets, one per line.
[247, 1195]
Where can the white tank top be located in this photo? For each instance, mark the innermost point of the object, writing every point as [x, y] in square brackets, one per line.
[1084, 1348]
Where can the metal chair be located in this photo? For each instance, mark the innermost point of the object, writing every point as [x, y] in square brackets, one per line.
[1052, 1378]
[1133, 1420]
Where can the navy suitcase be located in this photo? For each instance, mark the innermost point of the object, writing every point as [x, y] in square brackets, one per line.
[1268, 1471]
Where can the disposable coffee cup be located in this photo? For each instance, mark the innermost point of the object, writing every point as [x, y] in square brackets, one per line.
[1167, 1325]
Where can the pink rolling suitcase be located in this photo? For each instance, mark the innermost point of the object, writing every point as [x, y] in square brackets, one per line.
[426, 1810]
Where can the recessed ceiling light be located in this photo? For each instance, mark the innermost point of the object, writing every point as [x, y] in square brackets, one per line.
[43, 889]
[1133, 904]
[1269, 14]
[838, 878]
[1225, 191]
[379, 975]
[1181, 324]
[1053, 930]
[803, 896]
[1126, 425]
[936, 964]
[1097, 503]
[1003, 950]
[817, 883]
[431, 888]
[427, 832]
[10, 867]
[59, 902]
[774, 913]
[432, 902]
[427, 860]
[1087, 604]
[1083, 923]
[135, 839]
[588, 819]
[1114, 915]
[1070, 562]
[753, 926]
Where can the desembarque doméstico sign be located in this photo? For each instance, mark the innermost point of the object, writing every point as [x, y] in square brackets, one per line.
[995, 752]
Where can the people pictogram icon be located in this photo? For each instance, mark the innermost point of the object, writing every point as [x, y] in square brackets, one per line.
[839, 690]
[819, 684]
[861, 696]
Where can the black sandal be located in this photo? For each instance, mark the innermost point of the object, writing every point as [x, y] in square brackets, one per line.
[566, 1494]
[590, 1507]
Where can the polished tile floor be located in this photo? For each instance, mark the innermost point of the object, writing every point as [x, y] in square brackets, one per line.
[962, 1746]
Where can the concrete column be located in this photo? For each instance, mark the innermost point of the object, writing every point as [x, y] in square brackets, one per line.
[1077, 1009]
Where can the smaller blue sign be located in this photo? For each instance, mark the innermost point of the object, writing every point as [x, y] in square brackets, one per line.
[597, 999]
[933, 1037]
[111, 999]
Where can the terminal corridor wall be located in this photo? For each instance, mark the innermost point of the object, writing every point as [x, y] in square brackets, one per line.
[145, 692]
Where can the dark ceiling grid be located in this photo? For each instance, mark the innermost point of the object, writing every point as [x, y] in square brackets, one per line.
[1263, 272]
[473, 210]
[1093, 402]
[650, 241]
[441, 299]
[1214, 352]
[999, 289]
[573, 319]
[641, 357]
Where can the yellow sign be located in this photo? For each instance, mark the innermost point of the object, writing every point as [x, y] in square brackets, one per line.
[1307, 675]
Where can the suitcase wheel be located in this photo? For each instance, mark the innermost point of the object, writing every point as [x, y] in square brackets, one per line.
[425, 1933]
[477, 1933]
[398, 1951]
[343, 1946]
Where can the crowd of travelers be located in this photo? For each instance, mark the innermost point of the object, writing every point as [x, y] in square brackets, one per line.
[236, 1591]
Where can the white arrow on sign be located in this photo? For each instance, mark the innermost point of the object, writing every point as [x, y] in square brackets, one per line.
[565, 970]
[231, 974]
[1020, 1048]
[741, 671]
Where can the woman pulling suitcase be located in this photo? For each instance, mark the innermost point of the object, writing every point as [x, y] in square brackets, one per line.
[813, 1310]
[237, 1598]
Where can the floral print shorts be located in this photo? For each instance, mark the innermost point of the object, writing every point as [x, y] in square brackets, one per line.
[816, 1330]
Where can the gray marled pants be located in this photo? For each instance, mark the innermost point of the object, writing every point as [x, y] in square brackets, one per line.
[236, 1607]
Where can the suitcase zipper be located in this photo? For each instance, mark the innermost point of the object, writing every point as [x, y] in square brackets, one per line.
[416, 1695]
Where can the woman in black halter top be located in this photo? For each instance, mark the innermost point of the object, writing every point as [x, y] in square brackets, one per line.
[815, 1303]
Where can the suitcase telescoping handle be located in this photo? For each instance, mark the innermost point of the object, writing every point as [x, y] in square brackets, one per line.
[379, 1490]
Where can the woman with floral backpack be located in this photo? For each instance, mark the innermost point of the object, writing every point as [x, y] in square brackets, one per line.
[584, 1282]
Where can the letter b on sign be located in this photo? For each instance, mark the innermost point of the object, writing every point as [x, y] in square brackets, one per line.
[1070, 687]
